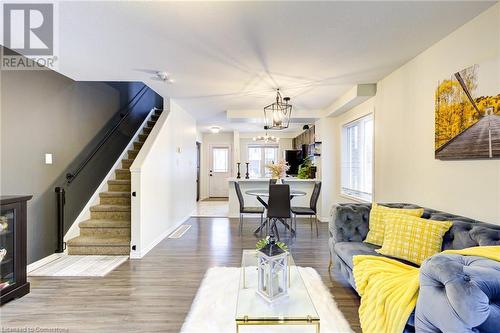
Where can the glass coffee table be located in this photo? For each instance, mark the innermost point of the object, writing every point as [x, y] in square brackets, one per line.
[296, 308]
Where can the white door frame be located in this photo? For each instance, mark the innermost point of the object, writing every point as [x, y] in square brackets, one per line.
[210, 165]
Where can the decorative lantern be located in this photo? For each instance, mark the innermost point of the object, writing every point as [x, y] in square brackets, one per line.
[277, 115]
[272, 264]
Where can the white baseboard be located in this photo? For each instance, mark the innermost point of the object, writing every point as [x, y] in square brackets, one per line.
[157, 240]
[44, 261]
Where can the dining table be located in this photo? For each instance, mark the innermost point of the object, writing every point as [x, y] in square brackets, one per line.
[263, 193]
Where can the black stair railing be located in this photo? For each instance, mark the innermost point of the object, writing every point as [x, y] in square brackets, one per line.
[129, 107]
[71, 176]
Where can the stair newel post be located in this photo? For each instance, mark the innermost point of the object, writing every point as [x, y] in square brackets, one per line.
[60, 202]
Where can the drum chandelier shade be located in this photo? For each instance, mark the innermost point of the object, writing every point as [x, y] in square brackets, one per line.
[277, 115]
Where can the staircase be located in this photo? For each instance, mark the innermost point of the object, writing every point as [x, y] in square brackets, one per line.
[108, 230]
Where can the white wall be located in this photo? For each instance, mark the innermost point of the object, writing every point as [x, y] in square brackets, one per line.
[164, 178]
[405, 167]
[209, 139]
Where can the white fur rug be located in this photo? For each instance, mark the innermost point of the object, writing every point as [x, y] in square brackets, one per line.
[214, 307]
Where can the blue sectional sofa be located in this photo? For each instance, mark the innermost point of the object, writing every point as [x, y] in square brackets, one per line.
[457, 293]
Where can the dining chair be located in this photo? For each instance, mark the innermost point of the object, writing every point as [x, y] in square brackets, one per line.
[311, 210]
[247, 210]
[278, 206]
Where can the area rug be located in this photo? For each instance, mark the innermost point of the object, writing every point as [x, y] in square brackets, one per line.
[214, 307]
[80, 266]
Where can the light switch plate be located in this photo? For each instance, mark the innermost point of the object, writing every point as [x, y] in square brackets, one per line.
[48, 158]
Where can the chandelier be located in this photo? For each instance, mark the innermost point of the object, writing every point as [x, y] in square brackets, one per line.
[266, 138]
[277, 115]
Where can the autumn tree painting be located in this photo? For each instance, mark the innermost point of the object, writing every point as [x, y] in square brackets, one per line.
[466, 126]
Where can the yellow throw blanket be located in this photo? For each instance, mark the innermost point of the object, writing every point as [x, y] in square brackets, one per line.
[389, 289]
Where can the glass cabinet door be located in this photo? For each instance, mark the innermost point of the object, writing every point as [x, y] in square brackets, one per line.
[7, 272]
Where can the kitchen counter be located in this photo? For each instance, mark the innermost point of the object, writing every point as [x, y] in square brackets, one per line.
[305, 185]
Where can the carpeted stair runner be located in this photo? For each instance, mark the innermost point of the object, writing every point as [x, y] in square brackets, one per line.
[108, 230]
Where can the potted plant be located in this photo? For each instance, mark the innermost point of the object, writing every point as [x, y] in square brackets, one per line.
[305, 169]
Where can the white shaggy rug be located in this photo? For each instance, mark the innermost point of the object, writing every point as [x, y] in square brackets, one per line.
[214, 307]
[80, 266]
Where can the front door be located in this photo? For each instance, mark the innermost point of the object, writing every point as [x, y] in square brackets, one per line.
[220, 170]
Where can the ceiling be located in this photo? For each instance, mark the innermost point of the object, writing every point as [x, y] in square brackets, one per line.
[233, 55]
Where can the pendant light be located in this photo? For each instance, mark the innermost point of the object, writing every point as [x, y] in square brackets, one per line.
[277, 115]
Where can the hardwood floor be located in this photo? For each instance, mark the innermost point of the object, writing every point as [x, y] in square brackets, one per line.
[154, 294]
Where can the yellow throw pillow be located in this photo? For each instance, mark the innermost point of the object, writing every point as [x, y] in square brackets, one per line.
[377, 221]
[412, 238]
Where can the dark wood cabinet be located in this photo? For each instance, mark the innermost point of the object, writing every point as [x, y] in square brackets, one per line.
[307, 137]
[13, 249]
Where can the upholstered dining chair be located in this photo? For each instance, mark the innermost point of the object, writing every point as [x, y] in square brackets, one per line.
[247, 210]
[278, 206]
[311, 210]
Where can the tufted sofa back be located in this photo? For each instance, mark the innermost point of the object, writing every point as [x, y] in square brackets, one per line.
[350, 222]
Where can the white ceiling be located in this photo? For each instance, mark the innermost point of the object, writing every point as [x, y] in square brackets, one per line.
[232, 56]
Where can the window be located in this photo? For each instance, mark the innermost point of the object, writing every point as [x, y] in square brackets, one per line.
[357, 158]
[220, 159]
[258, 157]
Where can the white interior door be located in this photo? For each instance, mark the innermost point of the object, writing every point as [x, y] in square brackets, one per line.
[219, 170]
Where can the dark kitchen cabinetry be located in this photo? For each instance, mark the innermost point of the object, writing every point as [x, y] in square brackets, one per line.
[13, 283]
[305, 138]
[306, 141]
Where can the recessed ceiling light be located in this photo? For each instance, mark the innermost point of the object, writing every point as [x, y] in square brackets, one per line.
[215, 129]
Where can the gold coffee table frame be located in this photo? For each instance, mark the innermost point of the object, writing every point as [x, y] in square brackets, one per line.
[272, 322]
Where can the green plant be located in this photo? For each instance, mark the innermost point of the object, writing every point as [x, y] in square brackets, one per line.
[305, 168]
[263, 242]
